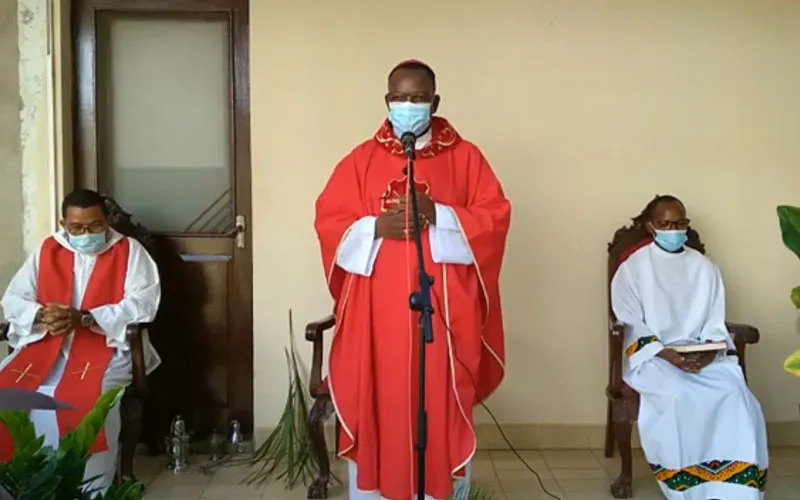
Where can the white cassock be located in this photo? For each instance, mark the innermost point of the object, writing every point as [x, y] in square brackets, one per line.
[357, 255]
[142, 293]
[703, 434]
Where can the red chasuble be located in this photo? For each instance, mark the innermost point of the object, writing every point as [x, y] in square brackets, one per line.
[373, 360]
[88, 358]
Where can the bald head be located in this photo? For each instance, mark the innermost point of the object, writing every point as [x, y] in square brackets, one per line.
[414, 67]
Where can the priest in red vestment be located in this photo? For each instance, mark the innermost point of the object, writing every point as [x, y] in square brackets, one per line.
[68, 307]
[364, 229]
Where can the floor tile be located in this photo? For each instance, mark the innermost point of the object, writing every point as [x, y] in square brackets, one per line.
[530, 489]
[569, 474]
[595, 473]
[571, 459]
[508, 460]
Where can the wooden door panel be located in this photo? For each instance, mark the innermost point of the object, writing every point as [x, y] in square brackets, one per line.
[203, 331]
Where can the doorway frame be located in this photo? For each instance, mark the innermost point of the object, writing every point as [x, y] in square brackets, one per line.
[82, 21]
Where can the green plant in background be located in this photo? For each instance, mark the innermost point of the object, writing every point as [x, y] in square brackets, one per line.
[789, 218]
[477, 492]
[288, 453]
[38, 472]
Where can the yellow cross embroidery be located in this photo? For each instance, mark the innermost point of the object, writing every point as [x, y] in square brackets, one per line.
[24, 373]
[85, 369]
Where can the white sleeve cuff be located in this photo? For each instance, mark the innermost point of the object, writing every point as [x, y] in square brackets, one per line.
[113, 325]
[18, 337]
[445, 218]
[644, 353]
[448, 245]
[359, 249]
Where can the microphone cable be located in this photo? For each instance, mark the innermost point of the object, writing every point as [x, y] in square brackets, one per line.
[491, 415]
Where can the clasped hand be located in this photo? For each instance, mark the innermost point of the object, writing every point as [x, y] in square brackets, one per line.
[690, 364]
[396, 224]
[59, 319]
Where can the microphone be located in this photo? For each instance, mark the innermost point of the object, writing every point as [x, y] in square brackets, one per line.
[409, 141]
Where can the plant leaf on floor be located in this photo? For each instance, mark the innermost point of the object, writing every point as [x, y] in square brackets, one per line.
[288, 453]
[476, 492]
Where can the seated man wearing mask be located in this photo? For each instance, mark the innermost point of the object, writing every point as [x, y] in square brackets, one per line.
[701, 428]
[68, 308]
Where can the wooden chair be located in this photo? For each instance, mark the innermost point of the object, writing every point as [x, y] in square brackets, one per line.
[623, 402]
[321, 410]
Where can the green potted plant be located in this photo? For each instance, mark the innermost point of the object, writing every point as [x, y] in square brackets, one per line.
[789, 218]
[38, 472]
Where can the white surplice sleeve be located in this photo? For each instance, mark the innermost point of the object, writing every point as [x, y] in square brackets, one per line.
[139, 304]
[448, 245]
[20, 305]
[714, 329]
[359, 249]
[641, 343]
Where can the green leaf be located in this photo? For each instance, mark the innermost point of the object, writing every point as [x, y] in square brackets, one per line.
[789, 218]
[20, 427]
[127, 491]
[82, 437]
[42, 473]
[476, 492]
[796, 297]
[792, 363]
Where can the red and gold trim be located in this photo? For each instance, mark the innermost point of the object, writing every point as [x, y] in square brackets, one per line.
[444, 137]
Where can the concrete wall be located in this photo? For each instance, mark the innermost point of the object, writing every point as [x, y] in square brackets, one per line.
[10, 157]
[28, 190]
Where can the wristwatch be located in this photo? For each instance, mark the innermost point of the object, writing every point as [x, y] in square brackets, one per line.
[87, 320]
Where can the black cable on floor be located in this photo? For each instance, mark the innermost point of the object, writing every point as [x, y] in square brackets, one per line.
[496, 423]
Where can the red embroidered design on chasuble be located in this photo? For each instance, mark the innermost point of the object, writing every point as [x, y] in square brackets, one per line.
[443, 138]
[398, 188]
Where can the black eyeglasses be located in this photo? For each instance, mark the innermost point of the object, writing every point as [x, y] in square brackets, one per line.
[671, 225]
[79, 229]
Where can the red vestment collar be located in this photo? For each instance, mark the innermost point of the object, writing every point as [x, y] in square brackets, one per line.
[443, 137]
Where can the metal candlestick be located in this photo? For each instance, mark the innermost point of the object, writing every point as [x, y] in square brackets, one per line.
[236, 442]
[178, 445]
[217, 445]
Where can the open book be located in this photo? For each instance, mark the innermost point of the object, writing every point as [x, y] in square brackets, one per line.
[693, 348]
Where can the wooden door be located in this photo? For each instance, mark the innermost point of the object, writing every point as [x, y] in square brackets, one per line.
[162, 126]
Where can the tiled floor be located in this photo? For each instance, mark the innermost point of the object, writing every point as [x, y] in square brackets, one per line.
[570, 475]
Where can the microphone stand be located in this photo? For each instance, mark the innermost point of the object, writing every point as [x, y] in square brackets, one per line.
[420, 301]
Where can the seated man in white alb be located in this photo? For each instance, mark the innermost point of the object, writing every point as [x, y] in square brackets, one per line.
[68, 308]
[701, 428]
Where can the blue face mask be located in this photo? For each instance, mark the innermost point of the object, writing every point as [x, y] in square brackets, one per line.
[89, 243]
[671, 241]
[411, 117]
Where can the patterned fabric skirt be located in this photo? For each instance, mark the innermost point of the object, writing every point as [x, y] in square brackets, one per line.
[703, 434]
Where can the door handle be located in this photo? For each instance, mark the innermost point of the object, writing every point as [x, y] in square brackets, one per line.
[241, 231]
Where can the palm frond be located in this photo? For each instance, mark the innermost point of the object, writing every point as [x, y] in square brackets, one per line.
[287, 454]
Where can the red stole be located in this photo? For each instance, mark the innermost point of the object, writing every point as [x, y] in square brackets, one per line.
[89, 356]
[374, 354]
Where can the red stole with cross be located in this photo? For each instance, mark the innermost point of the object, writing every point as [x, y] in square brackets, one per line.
[89, 356]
